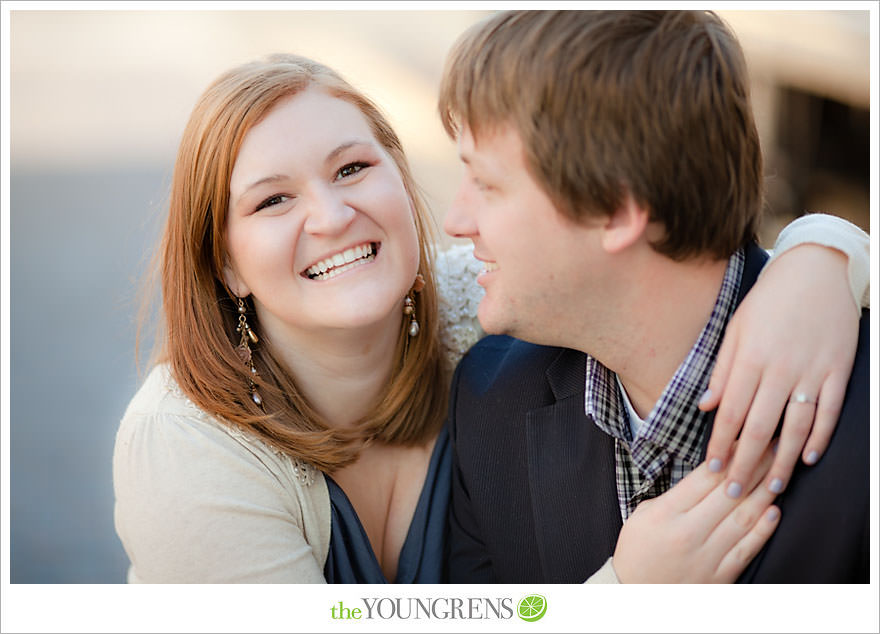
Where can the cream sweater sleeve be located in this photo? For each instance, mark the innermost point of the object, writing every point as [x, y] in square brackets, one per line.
[837, 233]
[605, 574]
[195, 504]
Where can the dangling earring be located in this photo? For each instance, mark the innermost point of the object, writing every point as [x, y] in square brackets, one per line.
[409, 305]
[244, 350]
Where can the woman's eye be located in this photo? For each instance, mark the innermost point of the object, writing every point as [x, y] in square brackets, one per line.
[272, 200]
[350, 170]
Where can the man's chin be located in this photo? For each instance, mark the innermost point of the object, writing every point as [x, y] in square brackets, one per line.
[490, 322]
[494, 324]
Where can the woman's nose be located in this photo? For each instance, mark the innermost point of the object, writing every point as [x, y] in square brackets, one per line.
[328, 214]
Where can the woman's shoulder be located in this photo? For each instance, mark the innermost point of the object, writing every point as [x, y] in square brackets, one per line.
[459, 297]
[161, 424]
[160, 394]
[187, 485]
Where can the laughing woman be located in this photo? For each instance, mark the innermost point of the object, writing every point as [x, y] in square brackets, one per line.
[292, 429]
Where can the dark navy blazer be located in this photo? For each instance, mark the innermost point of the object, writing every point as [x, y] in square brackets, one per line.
[534, 498]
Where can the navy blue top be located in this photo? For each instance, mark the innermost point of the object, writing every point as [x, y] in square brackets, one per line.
[351, 558]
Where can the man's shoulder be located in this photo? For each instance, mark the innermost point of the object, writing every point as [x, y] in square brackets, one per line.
[825, 507]
[859, 386]
[503, 349]
[499, 359]
[850, 439]
[856, 399]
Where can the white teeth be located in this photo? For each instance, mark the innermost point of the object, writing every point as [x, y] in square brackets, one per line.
[340, 262]
[488, 267]
[341, 269]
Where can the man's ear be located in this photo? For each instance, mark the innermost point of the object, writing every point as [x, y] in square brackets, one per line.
[625, 226]
[234, 282]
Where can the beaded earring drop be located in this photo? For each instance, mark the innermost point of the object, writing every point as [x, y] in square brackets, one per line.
[409, 305]
[244, 349]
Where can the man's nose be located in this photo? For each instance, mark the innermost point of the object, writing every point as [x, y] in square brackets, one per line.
[459, 221]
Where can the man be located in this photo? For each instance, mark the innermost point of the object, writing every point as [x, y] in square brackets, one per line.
[613, 189]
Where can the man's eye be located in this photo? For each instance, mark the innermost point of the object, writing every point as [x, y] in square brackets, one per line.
[272, 200]
[350, 170]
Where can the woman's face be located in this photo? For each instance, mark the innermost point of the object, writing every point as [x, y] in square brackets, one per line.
[320, 228]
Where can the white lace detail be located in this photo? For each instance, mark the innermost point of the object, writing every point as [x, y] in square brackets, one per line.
[303, 471]
[459, 296]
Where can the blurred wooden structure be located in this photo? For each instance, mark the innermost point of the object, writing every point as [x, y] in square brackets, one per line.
[810, 73]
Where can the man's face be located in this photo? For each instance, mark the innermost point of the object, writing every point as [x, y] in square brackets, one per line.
[539, 265]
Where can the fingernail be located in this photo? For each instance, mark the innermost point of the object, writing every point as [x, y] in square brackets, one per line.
[776, 485]
[812, 457]
[705, 397]
[773, 514]
[734, 490]
[714, 465]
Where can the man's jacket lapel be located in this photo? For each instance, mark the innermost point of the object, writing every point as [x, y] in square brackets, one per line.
[571, 476]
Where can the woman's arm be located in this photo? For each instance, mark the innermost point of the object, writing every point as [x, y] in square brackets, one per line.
[834, 232]
[790, 348]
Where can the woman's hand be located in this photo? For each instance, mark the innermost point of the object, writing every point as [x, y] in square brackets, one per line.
[695, 532]
[789, 347]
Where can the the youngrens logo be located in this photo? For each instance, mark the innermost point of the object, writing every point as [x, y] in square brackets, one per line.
[529, 608]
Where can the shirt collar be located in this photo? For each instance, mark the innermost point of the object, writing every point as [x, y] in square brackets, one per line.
[675, 425]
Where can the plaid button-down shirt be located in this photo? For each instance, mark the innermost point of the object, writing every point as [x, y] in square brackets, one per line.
[668, 444]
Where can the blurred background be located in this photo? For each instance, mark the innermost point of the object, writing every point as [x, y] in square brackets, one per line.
[98, 101]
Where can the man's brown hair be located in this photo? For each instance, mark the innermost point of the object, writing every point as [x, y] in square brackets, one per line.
[651, 103]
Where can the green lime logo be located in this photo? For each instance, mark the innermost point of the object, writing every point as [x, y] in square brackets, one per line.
[532, 607]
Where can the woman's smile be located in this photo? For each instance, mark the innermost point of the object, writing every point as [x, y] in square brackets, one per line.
[344, 260]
